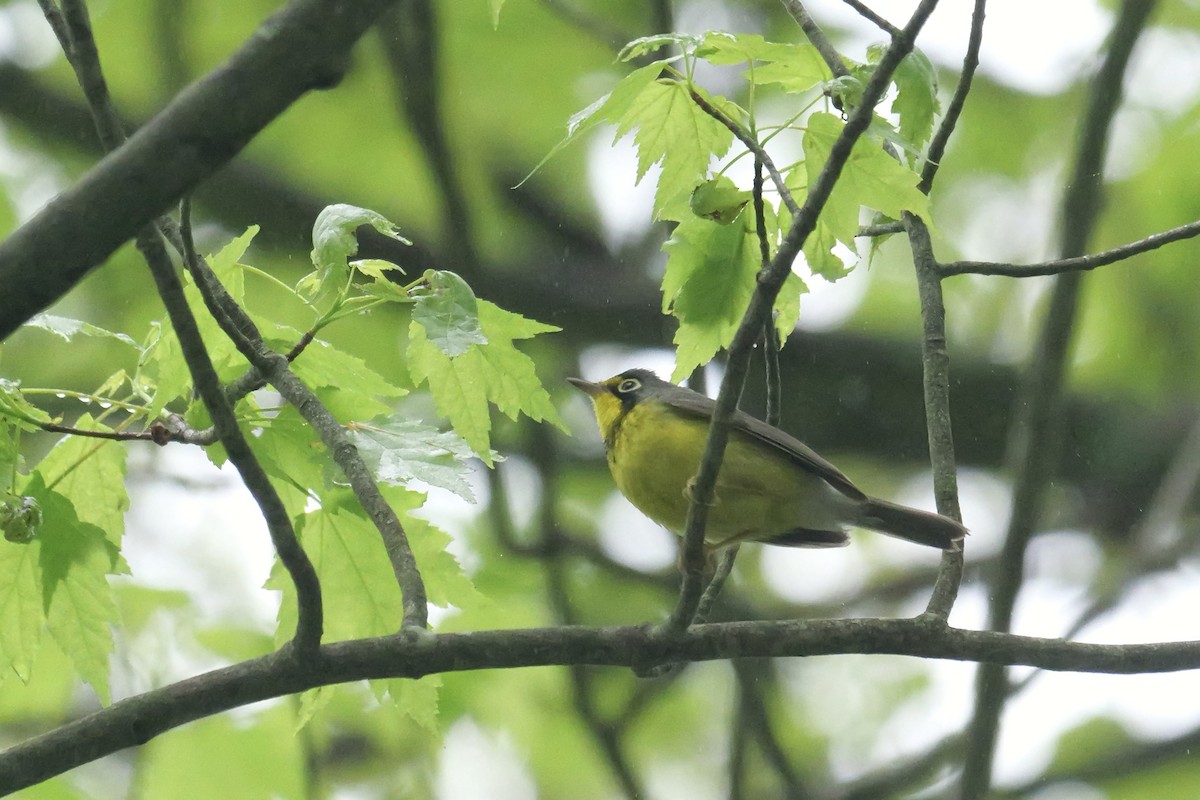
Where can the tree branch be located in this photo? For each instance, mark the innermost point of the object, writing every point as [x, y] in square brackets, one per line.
[138, 719]
[872, 17]
[301, 48]
[1073, 264]
[935, 366]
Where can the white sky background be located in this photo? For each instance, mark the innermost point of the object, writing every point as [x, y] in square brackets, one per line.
[211, 542]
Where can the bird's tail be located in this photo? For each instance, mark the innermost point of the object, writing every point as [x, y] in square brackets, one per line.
[921, 527]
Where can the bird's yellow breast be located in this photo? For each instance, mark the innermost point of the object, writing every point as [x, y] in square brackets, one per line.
[654, 451]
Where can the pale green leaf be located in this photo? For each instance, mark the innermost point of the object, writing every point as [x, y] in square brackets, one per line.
[645, 45]
[334, 239]
[612, 107]
[870, 178]
[673, 131]
[718, 199]
[462, 386]
[334, 242]
[416, 699]
[75, 559]
[445, 582]
[916, 102]
[90, 473]
[720, 47]
[357, 582]
[448, 312]
[21, 614]
[707, 286]
[787, 306]
[67, 328]
[400, 450]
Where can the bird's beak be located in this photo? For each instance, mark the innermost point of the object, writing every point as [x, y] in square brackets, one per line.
[592, 389]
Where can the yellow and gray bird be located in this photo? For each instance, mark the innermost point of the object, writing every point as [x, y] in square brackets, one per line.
[771, 488]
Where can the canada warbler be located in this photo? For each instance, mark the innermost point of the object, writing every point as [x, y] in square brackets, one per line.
[771, 488]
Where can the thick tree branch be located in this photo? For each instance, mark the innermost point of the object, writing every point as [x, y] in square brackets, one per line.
[138, 719]
[301, 48]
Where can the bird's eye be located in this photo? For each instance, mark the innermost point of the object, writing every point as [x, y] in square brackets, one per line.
[629, 385]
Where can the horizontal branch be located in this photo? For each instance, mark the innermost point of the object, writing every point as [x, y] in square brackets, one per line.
[413, 654]
[1076, 264]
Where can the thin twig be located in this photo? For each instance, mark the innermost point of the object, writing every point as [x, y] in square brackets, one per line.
[829, 53]
[1037, 424]
[1075, 263]
[937, 146]
[759, 308]
[872, 17]
[760, 154]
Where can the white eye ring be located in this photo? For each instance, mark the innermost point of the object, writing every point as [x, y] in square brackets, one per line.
[629, 385]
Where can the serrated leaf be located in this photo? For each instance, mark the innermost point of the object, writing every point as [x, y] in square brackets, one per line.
[787, 306]
[707, 286]
[90, 473]
[416, 699]
[448, 312]
[225, 264]
[462, 386]
[311, 703]
[445, 582]
[75, 558]
[609, 108]
[400, 450]
[916, 102]
[357, 583]
[869, 178]
[67, 328]
[818, 252]
[673, 131]
[21, 614]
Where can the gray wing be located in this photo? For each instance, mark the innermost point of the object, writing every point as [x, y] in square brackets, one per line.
[798, 452]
